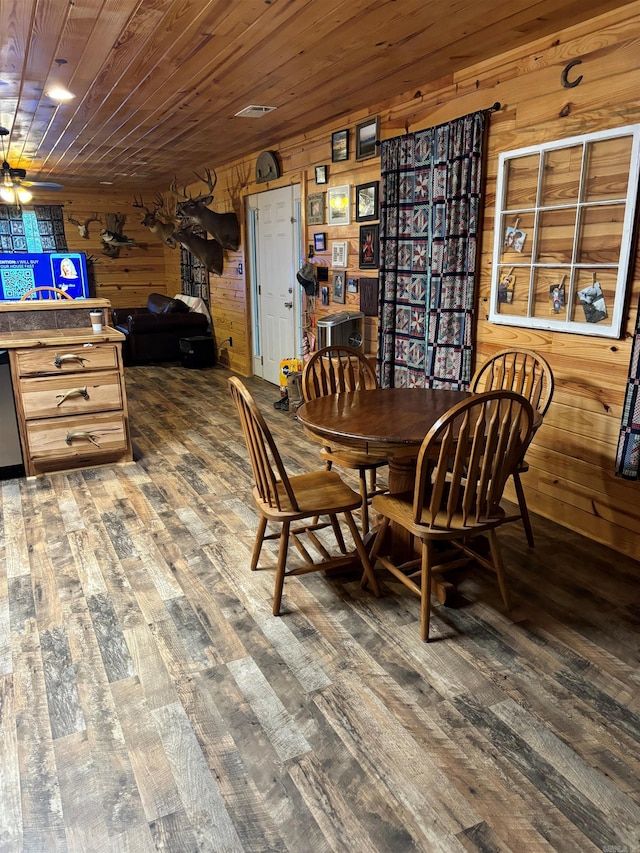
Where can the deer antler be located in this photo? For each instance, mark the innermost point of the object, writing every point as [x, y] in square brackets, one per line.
[140, 204]
[211, 183]
[73, 221]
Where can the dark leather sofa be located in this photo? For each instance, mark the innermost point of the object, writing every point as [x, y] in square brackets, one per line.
[153, 333]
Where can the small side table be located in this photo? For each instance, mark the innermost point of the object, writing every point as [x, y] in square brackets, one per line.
[197, 352]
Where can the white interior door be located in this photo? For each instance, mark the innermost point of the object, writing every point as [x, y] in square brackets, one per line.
[275, 288]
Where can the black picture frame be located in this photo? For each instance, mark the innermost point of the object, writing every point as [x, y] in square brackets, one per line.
[320, 242]
[321, 174]
[367, 138]
[340, 145]
[368, 247]
[367, 203]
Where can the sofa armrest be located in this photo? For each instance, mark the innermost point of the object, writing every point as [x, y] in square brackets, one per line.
[120, 316]
[187, 324]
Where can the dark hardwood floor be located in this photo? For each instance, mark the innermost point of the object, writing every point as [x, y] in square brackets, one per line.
[150, 701]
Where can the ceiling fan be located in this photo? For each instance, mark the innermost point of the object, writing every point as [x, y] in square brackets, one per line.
[13, 186]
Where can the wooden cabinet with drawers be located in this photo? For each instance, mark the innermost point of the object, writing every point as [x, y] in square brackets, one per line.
[71, 401]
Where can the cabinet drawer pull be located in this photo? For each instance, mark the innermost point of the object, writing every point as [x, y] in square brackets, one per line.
[59, 360]
[86, 436]
[72, 392]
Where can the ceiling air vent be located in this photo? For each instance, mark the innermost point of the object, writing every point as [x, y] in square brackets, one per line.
[254, 111]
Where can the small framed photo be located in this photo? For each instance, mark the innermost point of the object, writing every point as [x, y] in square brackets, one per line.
[324, 295]
[368, 247]
[321, 174]
[338, 204]
[339, 251]
[340, 145]
[367, 201]
[315, 209]
[367, 141]
[320, 242]
[352, 285]
[339, 294]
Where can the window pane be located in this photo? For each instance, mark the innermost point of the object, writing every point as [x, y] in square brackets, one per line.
[601, 234]
[556, 233]
[32, 234]
[607, 173]
[522, 182]
[561, 176]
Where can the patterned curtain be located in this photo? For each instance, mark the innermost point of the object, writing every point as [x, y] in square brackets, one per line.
[628, 455]
[429, 220]
[194, 278]
[50, 222]
[12, 235]
[51, 227]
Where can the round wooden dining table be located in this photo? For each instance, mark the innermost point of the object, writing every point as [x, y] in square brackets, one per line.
[391, 422]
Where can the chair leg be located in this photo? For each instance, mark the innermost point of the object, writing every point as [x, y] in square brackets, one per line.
[368, 576]
[337, 532]
[425, 589]
[257, 545]
[282, 562]
[364, 495]
[496, 557]
[375, 548]
[524, 511]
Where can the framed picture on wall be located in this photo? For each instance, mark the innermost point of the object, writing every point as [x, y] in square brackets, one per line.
[320, 242]
[315, 209]
[368, 247]
[321, 174]
[339, 293]
[338, 205]
[340, 145]
[339, 250]
[367, 201]
[367, 138]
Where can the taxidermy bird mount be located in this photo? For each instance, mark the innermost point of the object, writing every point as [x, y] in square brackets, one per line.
[112, 237]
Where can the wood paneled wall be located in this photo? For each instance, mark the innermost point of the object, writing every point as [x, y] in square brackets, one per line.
[572, 461]
[148, 267]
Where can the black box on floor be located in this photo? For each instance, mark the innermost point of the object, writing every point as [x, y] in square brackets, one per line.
[197, 352]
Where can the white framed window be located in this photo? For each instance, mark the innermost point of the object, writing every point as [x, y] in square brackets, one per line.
[565, 213]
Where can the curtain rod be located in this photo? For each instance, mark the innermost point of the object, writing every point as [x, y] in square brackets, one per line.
[492, 109]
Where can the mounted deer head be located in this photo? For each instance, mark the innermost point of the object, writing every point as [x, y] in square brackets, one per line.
[223, 227]
[208, 252]
[161, 228]
[83, 227]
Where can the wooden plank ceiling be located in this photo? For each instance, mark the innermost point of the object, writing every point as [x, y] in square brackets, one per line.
[157, 83]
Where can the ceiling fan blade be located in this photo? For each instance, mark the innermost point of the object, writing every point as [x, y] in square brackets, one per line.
[49, 185]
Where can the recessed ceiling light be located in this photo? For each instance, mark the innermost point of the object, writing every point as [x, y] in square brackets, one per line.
[59, 93]
[254, 111]
[106, 183]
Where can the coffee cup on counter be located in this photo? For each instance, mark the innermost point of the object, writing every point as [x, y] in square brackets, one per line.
[96, 320]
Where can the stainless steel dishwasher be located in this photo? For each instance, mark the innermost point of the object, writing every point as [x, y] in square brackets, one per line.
[10, 452]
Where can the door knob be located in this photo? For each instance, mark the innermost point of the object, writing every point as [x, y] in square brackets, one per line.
[288, 304]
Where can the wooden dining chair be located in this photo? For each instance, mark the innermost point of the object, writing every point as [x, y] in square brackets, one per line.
[285, 500]
[45, 292]
[528, 373]
[329, 371]
[463, 464]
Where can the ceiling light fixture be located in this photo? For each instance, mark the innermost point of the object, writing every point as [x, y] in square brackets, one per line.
[59, 93]
[14, 193]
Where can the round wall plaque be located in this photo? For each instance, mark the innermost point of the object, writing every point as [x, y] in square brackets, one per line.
[267, 167]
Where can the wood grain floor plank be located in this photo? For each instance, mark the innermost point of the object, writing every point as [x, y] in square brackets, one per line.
[10, 806]
[201, 798]
[150, 701]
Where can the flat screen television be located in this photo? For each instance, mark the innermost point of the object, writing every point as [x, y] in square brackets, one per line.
[21, 272]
